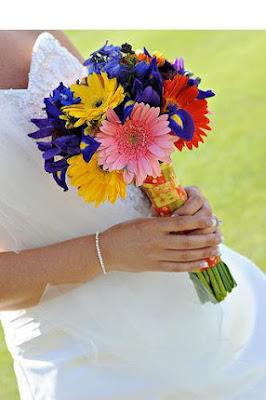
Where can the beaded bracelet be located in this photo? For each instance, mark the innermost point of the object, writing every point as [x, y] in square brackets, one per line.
[99, 254]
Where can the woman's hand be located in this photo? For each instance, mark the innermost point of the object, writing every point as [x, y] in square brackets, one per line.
[197, 203]
[160, 244]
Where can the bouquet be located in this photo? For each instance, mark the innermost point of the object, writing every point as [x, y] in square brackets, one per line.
[119, 125]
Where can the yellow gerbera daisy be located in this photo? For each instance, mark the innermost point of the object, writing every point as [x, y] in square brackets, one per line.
[97, 95]
[94, 184]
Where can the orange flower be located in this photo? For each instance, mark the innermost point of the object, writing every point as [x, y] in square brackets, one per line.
[145, 57]
[177, 92]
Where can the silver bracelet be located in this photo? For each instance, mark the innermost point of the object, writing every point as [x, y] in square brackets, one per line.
[99, 254]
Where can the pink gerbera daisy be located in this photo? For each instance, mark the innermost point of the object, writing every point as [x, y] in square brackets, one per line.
[137, 145]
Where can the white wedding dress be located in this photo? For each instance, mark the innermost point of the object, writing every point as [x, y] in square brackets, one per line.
[121, 336]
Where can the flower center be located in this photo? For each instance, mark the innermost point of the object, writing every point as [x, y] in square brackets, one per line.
[98, 103]
[133, 139]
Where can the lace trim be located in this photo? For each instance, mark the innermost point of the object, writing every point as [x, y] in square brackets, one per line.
[51, 63]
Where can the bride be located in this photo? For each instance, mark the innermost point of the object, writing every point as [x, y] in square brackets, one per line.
[139, 331]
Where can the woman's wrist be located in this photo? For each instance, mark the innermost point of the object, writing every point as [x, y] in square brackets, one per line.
[105, 250]
[99, 252]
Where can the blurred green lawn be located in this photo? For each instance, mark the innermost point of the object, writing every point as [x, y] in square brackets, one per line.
[230, 168]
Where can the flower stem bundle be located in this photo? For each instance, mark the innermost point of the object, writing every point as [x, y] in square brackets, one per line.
[166, 195]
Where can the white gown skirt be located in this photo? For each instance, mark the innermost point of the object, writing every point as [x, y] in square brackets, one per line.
[143, 336]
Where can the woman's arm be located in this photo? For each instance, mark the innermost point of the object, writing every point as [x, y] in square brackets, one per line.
[138, 245]
[24, 275]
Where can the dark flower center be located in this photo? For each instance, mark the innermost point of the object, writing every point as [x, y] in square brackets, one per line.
[98, 103]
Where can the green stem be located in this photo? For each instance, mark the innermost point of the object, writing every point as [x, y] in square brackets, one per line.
[227, 277]
[219, 281]
[234, 284]
[204, 282]
[228, 274]
[206, 276]
[224, 277]
[215, 286]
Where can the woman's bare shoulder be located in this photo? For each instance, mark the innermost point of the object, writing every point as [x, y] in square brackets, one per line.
[15, 56]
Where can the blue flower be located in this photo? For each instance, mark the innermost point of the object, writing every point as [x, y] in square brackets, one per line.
[180, 122]
[202, 94]
[58, 170]
[205, 94]
[63, 145]
[147, 84]
[60, 142]
[145, 51]
[141, 69]
[88, 146]
[106, 59]
[63, 96]
[60, 178]
[123, 110]
[51, 125]
[146, 95]
[110, 59]
[179, 65]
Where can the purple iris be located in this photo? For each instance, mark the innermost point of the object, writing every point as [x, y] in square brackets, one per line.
[123, 110]
[61, 142]
[58, 170]
[193, 81]
[141, 69]
[147, 84]
[53, 125]
[179, 65]
[205, 94]
[146, 95]
[63, 146]
[201, 93]
[90, 146]
[67, 145]
[186, 128]
[63, 96]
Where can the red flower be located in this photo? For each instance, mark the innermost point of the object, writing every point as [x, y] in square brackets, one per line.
[178, 92]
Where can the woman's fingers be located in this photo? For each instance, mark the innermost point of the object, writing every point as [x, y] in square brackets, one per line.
[180, 242]
[177, 223]
[213, 229]
[190, 266]
[189, 255]
[194, 203]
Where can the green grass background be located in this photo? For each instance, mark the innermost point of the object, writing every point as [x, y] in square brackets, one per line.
[230, 168]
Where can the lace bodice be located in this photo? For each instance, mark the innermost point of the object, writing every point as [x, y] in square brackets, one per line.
[33, 210]
[50, 64]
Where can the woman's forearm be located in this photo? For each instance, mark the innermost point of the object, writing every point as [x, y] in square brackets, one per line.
[138, 245]
[24, 275]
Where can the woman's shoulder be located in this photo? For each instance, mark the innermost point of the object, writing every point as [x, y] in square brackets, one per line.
[16, 46]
